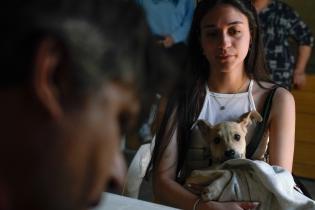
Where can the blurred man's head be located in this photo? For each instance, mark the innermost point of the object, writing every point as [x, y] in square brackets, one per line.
[69, 74]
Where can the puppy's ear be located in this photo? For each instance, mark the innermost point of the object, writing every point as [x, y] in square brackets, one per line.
[204, 127]
[248, 118]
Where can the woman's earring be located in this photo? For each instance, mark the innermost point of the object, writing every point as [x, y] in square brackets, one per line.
[250, 45]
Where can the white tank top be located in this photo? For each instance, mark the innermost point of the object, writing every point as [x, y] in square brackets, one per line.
[235, 105]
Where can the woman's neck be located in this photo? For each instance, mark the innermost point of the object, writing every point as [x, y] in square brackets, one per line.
[228, 83]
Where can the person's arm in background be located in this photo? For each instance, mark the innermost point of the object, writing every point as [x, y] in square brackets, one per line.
[303, 55]
[303, 36]
[181, 33]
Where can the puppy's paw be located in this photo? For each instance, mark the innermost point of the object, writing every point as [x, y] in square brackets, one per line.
[192, 180]
[209, 194]
[196, 173]
[206, 194]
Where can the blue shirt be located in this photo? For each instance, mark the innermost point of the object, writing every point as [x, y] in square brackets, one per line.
[166, 17]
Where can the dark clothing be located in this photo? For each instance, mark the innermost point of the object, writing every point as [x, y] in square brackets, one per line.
[279, 22]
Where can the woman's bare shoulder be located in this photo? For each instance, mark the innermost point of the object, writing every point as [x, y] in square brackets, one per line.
[260, 93]
[283, 100]
[281, 93]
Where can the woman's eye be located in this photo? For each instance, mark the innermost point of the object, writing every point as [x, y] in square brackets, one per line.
[217, 140]
[237, 137]
[234, 31]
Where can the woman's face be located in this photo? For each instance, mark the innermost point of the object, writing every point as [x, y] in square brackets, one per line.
[225, 38]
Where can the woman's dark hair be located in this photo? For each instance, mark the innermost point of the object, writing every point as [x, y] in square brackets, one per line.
[185, 104]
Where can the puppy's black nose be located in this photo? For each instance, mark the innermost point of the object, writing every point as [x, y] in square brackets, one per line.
[230, 153]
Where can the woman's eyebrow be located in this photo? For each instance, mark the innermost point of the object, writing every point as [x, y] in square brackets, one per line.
[229, 24]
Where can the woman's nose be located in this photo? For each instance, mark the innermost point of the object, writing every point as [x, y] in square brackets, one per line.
[224, 41]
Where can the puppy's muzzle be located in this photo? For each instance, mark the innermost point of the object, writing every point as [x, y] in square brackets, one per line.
[230, 154]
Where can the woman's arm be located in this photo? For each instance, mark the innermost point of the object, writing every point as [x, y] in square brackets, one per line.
[282, 129]
[166, 189]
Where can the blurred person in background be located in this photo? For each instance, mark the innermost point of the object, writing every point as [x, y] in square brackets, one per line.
[73, 77]
[169, 22]
[280, 25]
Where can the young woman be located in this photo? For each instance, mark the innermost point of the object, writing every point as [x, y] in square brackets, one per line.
[226, 79]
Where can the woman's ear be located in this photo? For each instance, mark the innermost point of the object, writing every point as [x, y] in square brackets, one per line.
[45, 62]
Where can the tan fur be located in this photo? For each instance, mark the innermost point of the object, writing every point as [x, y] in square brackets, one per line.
[222, 137]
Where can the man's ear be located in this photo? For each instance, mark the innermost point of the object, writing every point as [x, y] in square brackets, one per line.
[46, 60]
[204, 127]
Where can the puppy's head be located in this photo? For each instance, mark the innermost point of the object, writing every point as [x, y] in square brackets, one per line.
[227, 139]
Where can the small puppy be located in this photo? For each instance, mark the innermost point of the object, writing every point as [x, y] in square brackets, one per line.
[226, 141]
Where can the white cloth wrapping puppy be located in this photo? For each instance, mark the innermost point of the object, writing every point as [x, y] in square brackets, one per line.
[248, 180]
[137, 169]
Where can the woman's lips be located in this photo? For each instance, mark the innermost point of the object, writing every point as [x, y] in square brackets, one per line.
[224, 56]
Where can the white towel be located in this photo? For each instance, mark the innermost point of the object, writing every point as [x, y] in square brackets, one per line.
[137, 169]
[248, 180]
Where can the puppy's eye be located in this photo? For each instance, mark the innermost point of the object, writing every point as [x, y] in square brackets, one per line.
[237, 137]
[217, 140]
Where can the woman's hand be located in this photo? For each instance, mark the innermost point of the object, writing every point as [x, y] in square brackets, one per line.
[195, 188]
[213, 205]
